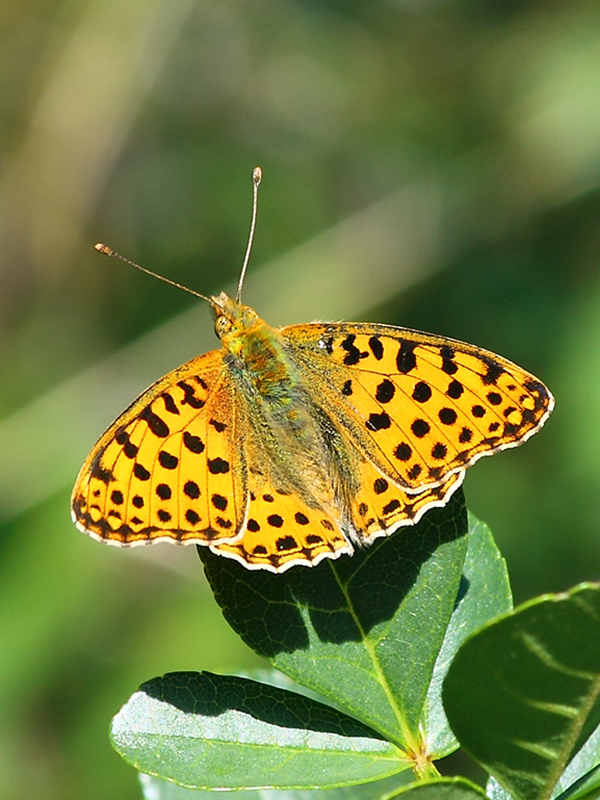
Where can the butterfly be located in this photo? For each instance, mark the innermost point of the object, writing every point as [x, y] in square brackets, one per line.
[288, 446]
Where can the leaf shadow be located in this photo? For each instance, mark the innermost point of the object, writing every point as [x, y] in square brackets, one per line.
[342, 599]
[208, 695]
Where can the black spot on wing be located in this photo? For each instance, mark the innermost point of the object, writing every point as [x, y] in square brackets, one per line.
[189, 395]
[420, 428]
[140, 472]
[415, 471]
[465, 436]
[157, 425]
[455, 389]
[218, 465]
[390, 507]
[193, 443]
[448, 365]
[403, 451]
[405, 358]
[352, 352]
[439, 451]
[130, 450]
[376, 347]
[170, 404]
[422, 392]
[219, 501]
[494, 370]
[380, 486]
[192, 516]
[98, 471]
[286, 543]
[378, 422]
[385, 391]
[218, 426]
[192, 490]
[167, 460]
[447, 416]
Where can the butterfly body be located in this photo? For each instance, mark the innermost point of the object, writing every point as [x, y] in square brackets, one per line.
[291, 445]
[285, 425]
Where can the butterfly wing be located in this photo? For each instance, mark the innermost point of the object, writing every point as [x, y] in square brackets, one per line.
[188, 462]
[380, 506]
[283, 531]
[417, 406]
[171, 467]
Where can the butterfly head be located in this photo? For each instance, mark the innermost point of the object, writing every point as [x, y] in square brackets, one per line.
[233, 319]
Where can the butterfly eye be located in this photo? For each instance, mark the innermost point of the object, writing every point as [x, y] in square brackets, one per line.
[222, 325]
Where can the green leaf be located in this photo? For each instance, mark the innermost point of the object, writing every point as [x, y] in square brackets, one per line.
[586, 788]
[496, 792]
[218, 732]
[523, 694]
[581, 779]
[442, 789]
[365, 631]
[157, 789]
[484, 594]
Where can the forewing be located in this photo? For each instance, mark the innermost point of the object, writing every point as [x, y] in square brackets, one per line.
[170, 467]
[421, 407]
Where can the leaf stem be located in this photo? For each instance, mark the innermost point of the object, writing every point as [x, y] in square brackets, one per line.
[423, 767]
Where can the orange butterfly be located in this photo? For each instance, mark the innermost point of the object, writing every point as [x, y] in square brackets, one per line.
[288, 446]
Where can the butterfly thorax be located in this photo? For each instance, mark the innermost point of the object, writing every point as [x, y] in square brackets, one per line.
[255, 349]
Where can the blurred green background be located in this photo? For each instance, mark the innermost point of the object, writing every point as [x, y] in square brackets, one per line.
[426, 163]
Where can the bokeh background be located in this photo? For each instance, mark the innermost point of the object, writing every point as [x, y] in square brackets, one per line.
[426, 163]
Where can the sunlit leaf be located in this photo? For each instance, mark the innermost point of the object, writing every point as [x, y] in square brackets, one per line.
[212, 731]
[523, 693]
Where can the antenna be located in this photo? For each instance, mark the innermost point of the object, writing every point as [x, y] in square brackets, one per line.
[256, 179]
[102, 248]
